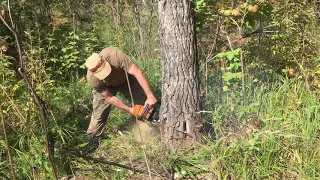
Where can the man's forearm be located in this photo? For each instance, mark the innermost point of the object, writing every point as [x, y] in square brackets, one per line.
[115, 101]
[141, 78]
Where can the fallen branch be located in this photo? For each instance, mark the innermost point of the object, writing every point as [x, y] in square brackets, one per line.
[77, 153]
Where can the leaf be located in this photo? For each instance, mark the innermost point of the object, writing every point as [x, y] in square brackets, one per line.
[199, 4]
[51, 39]
[221, 55]
[230, 55]
[237, 51]
[238, 75]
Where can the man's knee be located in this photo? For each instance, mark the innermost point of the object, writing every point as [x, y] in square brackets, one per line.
[96, 126]
[99, 119]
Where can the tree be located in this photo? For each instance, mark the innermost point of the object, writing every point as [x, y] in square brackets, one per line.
[181, 121]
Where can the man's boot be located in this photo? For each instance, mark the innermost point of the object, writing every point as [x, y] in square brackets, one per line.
[93, 144]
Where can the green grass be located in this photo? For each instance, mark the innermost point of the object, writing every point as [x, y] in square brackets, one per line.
[284, 145]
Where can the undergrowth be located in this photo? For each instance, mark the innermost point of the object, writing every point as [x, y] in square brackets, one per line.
[277, 139]
[274, 136]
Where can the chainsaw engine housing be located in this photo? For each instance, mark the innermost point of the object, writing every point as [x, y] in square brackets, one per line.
[147, 113]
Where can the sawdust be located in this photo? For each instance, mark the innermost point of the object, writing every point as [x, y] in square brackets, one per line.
[148, 131]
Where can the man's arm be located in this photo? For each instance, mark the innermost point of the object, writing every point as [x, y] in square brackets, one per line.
[141, 78]
[115, 101]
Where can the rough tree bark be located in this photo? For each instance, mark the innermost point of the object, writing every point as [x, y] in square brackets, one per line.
[181, 122]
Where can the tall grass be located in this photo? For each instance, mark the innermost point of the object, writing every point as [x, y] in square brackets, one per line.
[285, 144]
[276, 135]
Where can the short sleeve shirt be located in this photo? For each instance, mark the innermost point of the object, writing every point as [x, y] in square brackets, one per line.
[120, 64]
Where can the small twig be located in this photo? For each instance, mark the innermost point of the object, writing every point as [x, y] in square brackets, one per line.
[229, 41]
[7, 146]
[9, 9]
[165, 169]
[84, 169]
[146, 159]
[174, 129]
[14, 106]
[157, 174]
[96, 160]
[203, 112]
[7, 25]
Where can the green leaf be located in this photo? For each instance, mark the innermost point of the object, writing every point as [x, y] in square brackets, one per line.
[221, 55]
[199, 4]
[238, 75]
[237, 51]
[230, 55]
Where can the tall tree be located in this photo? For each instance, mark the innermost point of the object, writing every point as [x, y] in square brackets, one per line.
[181, 121]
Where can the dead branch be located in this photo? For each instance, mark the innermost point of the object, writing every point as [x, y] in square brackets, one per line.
[77, 153]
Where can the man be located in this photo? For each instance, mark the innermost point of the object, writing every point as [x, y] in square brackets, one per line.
[109, 72]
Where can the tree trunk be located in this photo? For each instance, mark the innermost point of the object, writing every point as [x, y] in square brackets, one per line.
[181, 122]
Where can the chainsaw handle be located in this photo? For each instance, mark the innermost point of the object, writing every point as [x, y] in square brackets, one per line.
[145, 111]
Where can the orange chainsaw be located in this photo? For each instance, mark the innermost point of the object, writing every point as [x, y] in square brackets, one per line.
[147, 113]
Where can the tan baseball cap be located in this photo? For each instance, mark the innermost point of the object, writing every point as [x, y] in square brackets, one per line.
[98, 66]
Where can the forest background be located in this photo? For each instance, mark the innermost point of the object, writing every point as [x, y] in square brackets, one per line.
[260, 85]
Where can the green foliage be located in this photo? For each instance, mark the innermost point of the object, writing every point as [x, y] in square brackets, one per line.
[189, 163]
[6, 71]
[273, 135]
[5, 171]
[277, 140]
[232, 76]
[68, 56]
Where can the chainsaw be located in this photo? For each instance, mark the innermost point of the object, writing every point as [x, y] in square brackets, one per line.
[146, 113]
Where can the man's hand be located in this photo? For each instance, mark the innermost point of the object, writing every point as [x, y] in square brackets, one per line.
[150, 101]
[131, 111]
